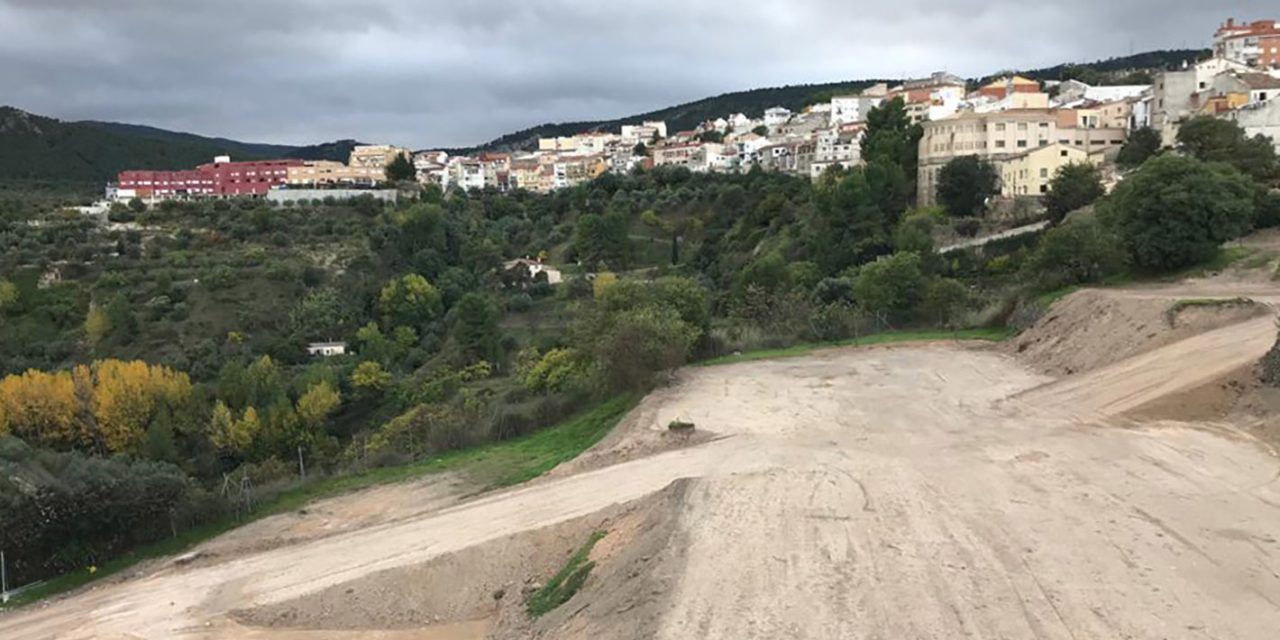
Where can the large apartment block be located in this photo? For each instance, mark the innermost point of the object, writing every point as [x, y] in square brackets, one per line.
[1002, 135]
[220, 178]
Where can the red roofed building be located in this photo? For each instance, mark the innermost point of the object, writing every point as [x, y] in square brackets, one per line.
[1256, 44]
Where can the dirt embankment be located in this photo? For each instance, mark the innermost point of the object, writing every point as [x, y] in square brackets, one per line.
[995, 500]
[1093, 328]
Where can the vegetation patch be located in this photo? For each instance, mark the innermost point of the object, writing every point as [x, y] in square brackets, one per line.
[680, 426]
[566, 582]
[1187, 303]
[889, 337]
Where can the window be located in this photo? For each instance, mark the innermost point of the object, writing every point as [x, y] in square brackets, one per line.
[1262, 95]
[1063, 153]
[1000, 144]
[1044, 188]
[1022, 126]
[1044, 125]
[1022, 144]
[999, 126]
[1044, 172]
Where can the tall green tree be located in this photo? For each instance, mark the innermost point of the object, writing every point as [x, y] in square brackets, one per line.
[847, 227]
[1214, 140]
[1074, 186]
[601, 240]
[965, 183]
[892, 137]
[401, 169]
[409, 301]
[1143, 143]
[1175, 211]
[475, 334]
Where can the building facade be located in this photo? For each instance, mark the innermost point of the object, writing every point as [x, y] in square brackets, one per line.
[220, 178]
[1004, 134]
[1256, 43]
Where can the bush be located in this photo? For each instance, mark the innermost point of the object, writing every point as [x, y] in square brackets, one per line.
[64, 511]
[893, 284]
[641, 344]
[1079, 252]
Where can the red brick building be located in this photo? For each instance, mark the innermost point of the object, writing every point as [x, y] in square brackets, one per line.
[220, 178]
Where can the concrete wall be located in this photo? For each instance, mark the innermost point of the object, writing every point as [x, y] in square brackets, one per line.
[294, 195]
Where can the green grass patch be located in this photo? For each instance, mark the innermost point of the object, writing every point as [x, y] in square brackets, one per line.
[494, 465]
[566, 582]
[1225, 257]
[888, 337]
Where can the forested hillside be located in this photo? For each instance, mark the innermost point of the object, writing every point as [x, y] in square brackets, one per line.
[38, 149]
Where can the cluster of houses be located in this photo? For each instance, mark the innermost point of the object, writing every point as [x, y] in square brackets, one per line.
[1026, 128]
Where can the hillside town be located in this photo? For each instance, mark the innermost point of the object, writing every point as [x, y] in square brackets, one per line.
[1028, 129]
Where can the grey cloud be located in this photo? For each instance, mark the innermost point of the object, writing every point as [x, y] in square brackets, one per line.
[433, 73]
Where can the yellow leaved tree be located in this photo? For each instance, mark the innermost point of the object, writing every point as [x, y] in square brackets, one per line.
[107, 405]
[97, 325]
[127, 395]
[39, 405]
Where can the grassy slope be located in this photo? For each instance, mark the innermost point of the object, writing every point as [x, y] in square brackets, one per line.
[888, 337]
[497, 465]
[1243, 257]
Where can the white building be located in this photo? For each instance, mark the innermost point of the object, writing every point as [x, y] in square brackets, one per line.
[531, 269]
[850, 109]
[327, 349]
[1259, 118]
[645, 132]
[775, 117]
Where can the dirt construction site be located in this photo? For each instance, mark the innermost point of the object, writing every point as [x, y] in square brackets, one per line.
[1108, 473]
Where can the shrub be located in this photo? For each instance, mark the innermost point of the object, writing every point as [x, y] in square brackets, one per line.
[64, 511]
[1078, 252]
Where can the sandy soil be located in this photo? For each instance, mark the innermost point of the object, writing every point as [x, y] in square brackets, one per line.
[926, 491]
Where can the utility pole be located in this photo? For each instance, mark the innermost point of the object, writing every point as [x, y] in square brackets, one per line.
[4, 580]
[302, 467]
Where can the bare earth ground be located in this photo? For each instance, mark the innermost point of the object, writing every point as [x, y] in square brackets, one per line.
[925, 491]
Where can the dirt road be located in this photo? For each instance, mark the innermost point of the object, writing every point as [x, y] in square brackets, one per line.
[928, 491]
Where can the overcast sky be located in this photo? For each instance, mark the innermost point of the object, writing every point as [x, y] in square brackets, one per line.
[449, 73]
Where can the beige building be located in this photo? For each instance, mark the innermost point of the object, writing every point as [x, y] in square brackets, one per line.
[1029, 173]
[376, 155]
[328, 172]
[1002, 134]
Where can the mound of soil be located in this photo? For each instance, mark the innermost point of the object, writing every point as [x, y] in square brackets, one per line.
[460, 590]
[1094, 328]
